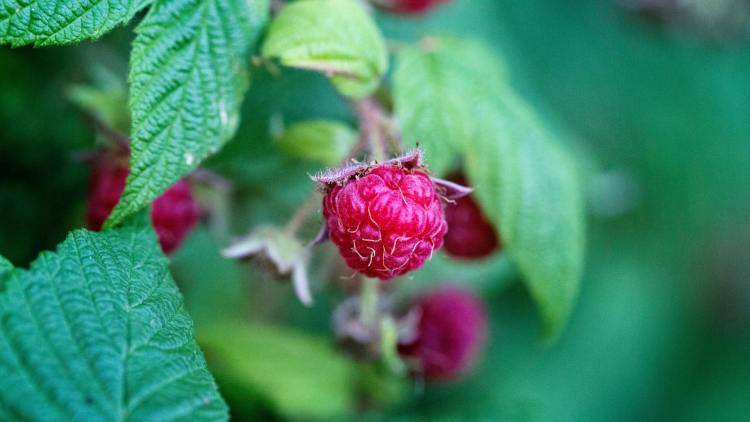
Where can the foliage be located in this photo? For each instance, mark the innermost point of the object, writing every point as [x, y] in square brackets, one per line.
[274, 363]
[323, 141]
[335, 37]
[97, 331]
[188, 74]
[526, 182]
[55, 22]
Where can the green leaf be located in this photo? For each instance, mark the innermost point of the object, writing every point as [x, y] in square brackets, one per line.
[97, 331]
[54, 22]
[5, 267]
[324, 141]
[109, 106]
[336, 37]
[188, 74]
[530, 189]
[452, 96]
[300, 375]
[430, 95]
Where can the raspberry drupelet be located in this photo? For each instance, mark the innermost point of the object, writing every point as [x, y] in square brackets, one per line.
[386, 220]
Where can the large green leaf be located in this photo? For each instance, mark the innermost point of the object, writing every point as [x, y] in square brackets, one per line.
[452, 97]
[50, 22]
[530, 189]
[97, 331]
[188, 74]
[430, 97]
[300, 375]
[335, 37]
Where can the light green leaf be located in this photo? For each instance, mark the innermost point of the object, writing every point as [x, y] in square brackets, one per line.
[530, 189]
[54, 22]
[430, 95]
[97, 331]
[335, 37]
[324, 141]
[300, 375]
[452, 96]
[109, 106]
[188, 74]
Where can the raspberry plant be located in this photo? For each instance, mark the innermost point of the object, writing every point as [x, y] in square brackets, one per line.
[98, 329]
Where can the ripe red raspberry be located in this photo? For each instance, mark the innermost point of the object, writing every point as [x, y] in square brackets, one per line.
[470, 235]
[173, 214]
[385, 220]
[451, 329]
[407, 7]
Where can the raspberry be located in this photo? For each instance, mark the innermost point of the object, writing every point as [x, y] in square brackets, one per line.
[385, 220]
[451, 329]
[470, 235]
[173, 214]
[408, 7]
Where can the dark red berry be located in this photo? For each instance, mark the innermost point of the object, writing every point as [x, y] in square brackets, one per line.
[173, 214]
[451, 329]
[105, 187]
[470, 234]
[385, 220]
[408, 6]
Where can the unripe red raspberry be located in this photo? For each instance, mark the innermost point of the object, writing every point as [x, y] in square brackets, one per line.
[470, 234]
[451, 329]
[408, 6]
[385, 220]
[173, 214]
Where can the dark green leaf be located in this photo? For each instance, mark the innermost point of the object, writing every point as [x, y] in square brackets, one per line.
[324, 141]
[335, 37]
[188, 74]
[97, 331]
[51, 22]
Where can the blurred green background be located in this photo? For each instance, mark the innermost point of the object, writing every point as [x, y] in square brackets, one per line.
[656, 110]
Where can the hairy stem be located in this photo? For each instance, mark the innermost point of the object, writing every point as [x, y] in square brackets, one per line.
[371, 117]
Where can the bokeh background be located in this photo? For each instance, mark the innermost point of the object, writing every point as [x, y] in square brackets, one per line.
[653, 98]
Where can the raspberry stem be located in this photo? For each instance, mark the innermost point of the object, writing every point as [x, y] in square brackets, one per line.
[370, 116]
